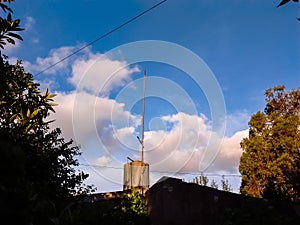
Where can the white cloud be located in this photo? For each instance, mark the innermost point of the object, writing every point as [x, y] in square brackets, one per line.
[10, 48]
[35, 40]
[29, 22]
[55, 56]
[89, 72]
[51, 84]
[106, 131]
[237, 121]
[99, 74]
[89, 116]
[185, 146]
[229, 156]
[181, 148]
[173, 149]
[103, 161]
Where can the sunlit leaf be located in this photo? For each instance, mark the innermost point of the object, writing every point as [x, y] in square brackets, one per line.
[46, 92]
[34, 113]
[53, 104]
[28, 113]
[51, 96]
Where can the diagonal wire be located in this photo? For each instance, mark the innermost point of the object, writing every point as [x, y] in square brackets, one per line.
[102, 36]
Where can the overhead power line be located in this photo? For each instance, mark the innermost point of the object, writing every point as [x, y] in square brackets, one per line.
[167, 172]
[102, 36]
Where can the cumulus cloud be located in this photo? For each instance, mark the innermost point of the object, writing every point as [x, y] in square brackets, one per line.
[83, 116]
[106, 130]
[174, 148]
[230, 152]
[181, 148]
[100, 74]
[186, 146]
[54, 56]
[91, 72]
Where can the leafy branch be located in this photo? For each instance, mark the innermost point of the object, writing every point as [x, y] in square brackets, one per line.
[283, 2]
[8, 26]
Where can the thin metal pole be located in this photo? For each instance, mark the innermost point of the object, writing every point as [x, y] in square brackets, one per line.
[143, 116]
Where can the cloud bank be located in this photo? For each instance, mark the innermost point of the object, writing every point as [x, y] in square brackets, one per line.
[107, 132]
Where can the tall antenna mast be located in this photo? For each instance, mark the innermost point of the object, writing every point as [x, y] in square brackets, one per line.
[143, 116]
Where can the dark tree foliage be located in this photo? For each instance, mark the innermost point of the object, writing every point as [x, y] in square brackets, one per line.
[270, 163]
[39, 183]
[261, 212]
[38, 165]
[8, 26]
[283, 2]
[130, 209]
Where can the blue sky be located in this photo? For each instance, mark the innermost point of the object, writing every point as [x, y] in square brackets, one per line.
[248, 46]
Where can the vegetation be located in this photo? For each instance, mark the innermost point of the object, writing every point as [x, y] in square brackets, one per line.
[283, 2]
[39, 184]
[270, 163]
[130, 209]
[214, 184]
[38, 164]
[261, 212]
[134, 203]
[203, 181]
[8, 26]
[225, 184]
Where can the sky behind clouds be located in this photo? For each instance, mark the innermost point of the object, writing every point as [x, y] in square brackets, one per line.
[245, 46]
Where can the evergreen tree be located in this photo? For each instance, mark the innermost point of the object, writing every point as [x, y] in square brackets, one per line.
[270, 163]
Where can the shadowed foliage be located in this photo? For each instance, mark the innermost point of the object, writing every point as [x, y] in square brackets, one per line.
[283, 2]
[39, 183]
[8, 26]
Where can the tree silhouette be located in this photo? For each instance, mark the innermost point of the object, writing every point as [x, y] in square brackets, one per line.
[39, 182]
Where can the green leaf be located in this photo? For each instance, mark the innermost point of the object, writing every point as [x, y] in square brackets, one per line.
[15, 35]
[34, 113]
[5, 7]
[9, 18]
[13, 117]
[17, 29]
[51, 96]
[28, 128]
[28, 113]
[46, 92]
[53, 104]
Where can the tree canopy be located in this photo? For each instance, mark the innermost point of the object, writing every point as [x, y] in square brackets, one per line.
[270, 163]
[39, 181]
